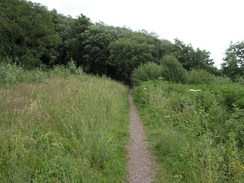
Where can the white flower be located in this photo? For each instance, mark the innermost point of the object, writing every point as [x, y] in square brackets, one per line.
[192, 90]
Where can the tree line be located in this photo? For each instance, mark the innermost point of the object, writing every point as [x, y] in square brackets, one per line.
[32, 36]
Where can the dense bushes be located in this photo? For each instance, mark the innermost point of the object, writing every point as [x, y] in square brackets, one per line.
[11, 73]
[173, 70]
[196, 134]
[149, 71]
[200, 77]
[170, 69]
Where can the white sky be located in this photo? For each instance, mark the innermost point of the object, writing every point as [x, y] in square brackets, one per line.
[207, 24]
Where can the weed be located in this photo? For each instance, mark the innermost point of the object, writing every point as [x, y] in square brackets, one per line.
[63, 129]
[196, 136]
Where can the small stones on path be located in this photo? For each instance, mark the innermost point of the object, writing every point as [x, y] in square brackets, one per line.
[140, 165]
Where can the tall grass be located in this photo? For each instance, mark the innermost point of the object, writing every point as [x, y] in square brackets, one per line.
[10, 73]
[63, 129]
[197, 135]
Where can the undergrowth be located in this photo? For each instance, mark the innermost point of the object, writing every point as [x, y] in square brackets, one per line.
[196, 131]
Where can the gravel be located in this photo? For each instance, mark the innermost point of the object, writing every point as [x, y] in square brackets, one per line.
[140, 165]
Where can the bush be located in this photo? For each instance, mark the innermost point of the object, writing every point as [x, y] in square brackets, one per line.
[146, 72]
[240, 80]
[10, 73]
[173, 70]
[199, 76]
[196, 136]
[73, 69]
[222, 80]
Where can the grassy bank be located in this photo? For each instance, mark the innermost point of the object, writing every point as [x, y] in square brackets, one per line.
[196, 131]
[63, 129]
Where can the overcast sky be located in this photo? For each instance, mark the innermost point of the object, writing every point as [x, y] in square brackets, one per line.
[206, 24]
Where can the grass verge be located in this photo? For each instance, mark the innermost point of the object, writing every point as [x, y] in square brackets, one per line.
[196, 131]
[63, 129]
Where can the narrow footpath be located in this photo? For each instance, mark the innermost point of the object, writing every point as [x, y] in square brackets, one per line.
[140, 165]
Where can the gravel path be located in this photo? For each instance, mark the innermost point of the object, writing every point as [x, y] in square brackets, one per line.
[140, 165]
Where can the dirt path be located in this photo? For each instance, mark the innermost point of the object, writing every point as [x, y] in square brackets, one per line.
[140, 166]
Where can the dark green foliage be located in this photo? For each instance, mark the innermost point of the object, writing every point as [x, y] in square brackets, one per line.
[233, 65]
[193, 59]
[95, 41]
[74, 46]
[145, 72]
[64, 27]
[35, 37]
[28, 34]
[128, 52]
[173, 70]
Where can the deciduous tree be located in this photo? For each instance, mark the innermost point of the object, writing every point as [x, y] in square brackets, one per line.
[233, 65]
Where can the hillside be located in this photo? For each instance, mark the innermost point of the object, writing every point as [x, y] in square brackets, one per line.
[70, 128]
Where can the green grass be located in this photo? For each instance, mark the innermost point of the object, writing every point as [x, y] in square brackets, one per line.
[63, 129]
[197, 137]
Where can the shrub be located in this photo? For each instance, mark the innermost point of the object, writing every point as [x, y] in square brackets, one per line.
[222, 80]
[199, 76]
[173, 70]
[10, 73]
[240, 80]
[73, 68]
[146, 72]
[196, 136]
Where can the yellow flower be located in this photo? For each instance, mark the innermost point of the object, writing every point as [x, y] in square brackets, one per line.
[242, 167]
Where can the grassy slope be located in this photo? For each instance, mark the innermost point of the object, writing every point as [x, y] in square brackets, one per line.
[196, 136]
[63, 130]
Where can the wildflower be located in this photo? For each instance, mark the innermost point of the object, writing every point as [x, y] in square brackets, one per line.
[192, 90]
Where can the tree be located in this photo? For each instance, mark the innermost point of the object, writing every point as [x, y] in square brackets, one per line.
[95, 42]
[128, 52]
[146, 72]
[64, 28]
[173, 70]
[74, 46]
[233, 65]
[27, 32]
[193, 59]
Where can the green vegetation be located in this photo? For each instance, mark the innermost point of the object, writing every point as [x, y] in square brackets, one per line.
[65, 128]
[57, 124]
[200, 76]
[146, 72]
[233, 65]
[173, 70]
[34, 37]
[196, 131]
